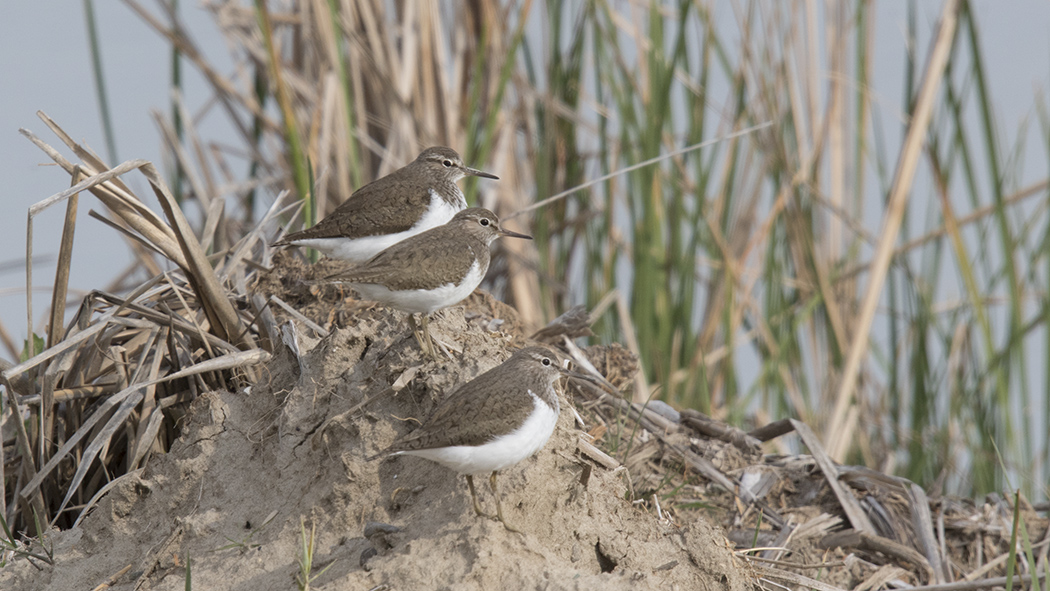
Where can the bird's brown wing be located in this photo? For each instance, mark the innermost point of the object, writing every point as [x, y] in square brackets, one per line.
[428, 254]
[368, 212]
[481, 406]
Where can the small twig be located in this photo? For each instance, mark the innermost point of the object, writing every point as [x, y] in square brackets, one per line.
[642, 164]
[112, 580]
[298, 315]
[801, 580]
[788, 563]
[599, 457]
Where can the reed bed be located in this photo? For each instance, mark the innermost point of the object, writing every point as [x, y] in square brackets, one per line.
[112, 384]
[755, 278]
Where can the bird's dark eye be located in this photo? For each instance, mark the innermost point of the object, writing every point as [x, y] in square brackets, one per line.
[546, 361]
[447, 163]
[484, 222]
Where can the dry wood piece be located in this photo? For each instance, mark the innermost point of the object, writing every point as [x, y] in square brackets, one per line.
[705, 425]
[849, 503]
[596, 455]
[772, 430]
[112, 580]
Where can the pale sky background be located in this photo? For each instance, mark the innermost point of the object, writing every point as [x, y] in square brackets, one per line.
[45, 65]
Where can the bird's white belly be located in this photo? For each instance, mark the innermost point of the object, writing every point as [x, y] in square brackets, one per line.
[501, 452]
[422, 301]
[359, 250]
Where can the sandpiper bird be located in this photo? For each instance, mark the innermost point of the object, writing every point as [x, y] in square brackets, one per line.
[430, 271]
[406, 202]
[492, 422]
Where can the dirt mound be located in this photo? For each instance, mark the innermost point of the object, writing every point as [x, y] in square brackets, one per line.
[253, 469]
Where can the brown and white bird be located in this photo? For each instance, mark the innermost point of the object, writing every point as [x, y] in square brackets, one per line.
[429, 271]
[406, 202]
[492, 422]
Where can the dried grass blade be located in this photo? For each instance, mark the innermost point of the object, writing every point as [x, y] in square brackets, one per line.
[90, 182]
[127, 234]
[194, 139]
[149, 435]
[266, 321]
[926, 540]
[61, 287]
[299, 316]
[100, 441]
[87, 156]
[147, 224]
[114, 191]
[192, 314]
[101, 492]
[122, 204]
[148, 349]
[25, 448]
[134, 392]
[9, 343]
[221, 314]
[229, 361]
[801, 580]
[176, 322]
[65, 345]
[212, 222]
[171, 138]
[245, 245]
[3, 474]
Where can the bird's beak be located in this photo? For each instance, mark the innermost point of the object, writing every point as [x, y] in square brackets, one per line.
[566, 370]
[511, 234]
[481, 173]
[574, 374]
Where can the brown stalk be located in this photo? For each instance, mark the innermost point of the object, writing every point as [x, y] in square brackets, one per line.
[221, 315]
[108, 188]
[65, 255]
[836, 437]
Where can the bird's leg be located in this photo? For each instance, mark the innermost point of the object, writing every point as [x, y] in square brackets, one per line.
[499, 509]
[474, 496]
[415, 327]
[431, 345]
[422, 336]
